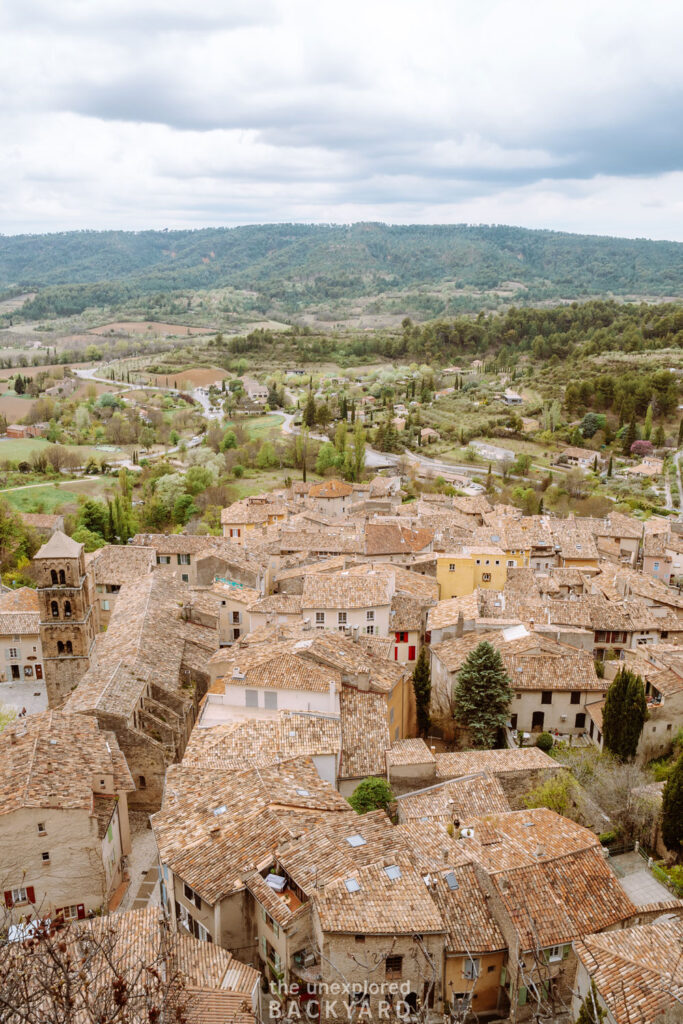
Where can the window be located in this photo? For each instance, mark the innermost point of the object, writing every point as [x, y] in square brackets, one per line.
[184, 577]
[183, 559]
[575, 697]
[19, 896]
[237, 618]
[471, 968]
[478, 561]
[67, 609]
[192, 896]
[486, 577]
[235, 634]
[546, 697]
[13, 652]
[28, 671]
[54, 608]
[105, 606]
[451, 567]
[163, 559]
[142, 782]
[360, 938]
[402, 638]
[45, 855]
[580, 721]
[234, 532]
[497, 562]
[53, 576]
[370, 630]
[70, 913]
[513, 721]
[554, 954]
[656, 566]
[270, 700]
[510, 563]
[251, 698]
[69, 647]
[341, 618]
[320, 618]
[394, 966]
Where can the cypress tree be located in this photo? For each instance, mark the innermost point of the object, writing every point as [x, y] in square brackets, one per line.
[630, 435]
[624, 714]
[590, 1011]
[680, 434]
[672, 809]
[609, 468]
[422, 686]
[482, 694]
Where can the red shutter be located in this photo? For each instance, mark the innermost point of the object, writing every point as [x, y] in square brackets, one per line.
[398, 637]
[395, 653]
[411, 653]
[9, 902]
[30, 894]
[81, 911]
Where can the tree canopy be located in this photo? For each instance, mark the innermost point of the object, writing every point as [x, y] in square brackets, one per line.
[624, 714]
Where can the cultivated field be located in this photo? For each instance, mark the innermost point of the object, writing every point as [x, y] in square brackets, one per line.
[149, 327]
[198, 377]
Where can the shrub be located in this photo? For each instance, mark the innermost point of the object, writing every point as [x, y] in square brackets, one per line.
[545, 742]
[370, 795]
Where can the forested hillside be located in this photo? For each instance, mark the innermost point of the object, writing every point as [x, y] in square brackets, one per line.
[291, 266]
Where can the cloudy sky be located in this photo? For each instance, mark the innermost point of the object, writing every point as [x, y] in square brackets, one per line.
[169, 113]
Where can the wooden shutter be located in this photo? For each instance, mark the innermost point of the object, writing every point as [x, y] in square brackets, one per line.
[9, 902]
[30, 894]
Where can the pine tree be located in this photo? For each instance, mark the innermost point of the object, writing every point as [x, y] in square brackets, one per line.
[659, 439]
[422, 686]
[482, 694]
[672, 809]
[19, 386]
[590, 1011]
[624, 714]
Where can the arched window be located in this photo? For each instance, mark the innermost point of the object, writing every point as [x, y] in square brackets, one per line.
[69, 647]
[54, 608]
[67, 609]
[60, 647]
[53, 576]
[62, 577]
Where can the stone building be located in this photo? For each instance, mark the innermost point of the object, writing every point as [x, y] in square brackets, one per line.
[63, 815]
[67, 617]
[149, 679]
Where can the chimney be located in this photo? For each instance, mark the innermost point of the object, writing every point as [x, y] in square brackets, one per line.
[460, 624]
[531, 625]
[356, 631]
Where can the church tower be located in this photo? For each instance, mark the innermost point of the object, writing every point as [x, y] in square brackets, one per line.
[67, 618]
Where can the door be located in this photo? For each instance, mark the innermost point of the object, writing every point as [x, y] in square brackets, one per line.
[15, 672]
[39, 671]
[537, 720]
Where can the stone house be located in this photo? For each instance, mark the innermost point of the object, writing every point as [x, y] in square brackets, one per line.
[64, 829]
[348, 603]
[21, 653]
[111, 567]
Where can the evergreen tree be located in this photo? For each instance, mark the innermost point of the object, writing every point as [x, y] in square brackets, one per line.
[647, 431]
[630, 435]
[590, 1011]
[624, 714]
[680, 434]
[422, 687]
[309, 411]
[358, 450]
[19, 386]
[659, 439]
[482, 694]
[610, 466]
[672, 809]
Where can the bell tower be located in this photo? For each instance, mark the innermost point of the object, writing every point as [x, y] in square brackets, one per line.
[67, 618]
